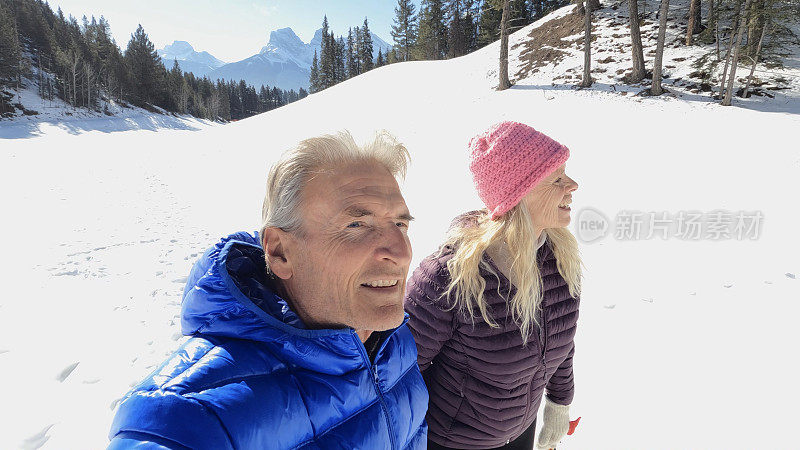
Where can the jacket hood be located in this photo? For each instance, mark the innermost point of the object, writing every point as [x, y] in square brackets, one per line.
[228, 294]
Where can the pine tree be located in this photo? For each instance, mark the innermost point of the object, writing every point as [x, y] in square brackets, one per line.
[404, 30]
[379, 61]
[432, 37]
[470, 26]
[145, 67]
[10, 55]
[314, 84]
[456, 41]
[326, 58]
[340, 60]
[357, 40]
[520, 14]
[489, 22]
[366, 48]
[352, 65]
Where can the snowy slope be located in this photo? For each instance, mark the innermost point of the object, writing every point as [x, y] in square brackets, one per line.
[681, 344]
[57, 116]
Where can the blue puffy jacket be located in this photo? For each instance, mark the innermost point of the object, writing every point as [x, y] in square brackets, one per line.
[253, 377]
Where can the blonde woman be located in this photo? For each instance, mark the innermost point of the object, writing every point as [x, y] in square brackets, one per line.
[494, 311]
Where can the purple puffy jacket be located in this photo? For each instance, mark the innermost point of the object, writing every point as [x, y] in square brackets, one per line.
[486, 387]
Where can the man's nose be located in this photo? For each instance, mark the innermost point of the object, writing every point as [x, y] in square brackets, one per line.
[395, 246]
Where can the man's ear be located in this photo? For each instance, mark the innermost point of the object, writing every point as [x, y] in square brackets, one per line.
[275, 242]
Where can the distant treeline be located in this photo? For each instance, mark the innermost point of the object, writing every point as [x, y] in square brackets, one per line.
[441, 29]
[82, 64]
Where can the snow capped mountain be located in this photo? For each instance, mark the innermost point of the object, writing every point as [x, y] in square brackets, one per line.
[378, 43]
[284, 62]
[267, 70]
[199, 63]
[285, 45]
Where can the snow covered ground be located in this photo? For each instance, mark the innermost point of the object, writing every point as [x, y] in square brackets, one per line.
[56, 116]
[682, 343]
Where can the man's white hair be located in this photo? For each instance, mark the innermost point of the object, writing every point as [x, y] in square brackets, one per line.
[294, 169]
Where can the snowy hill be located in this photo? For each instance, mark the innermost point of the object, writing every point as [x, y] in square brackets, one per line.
[104, 227]
[199, 63]
[44, 117]
[284, 62]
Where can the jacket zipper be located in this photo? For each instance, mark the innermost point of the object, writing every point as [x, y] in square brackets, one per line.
[541, 336]
[373, 369]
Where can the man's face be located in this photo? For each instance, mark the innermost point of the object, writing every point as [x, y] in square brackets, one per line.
[350, 259]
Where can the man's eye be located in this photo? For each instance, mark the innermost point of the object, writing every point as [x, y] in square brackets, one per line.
[402, 224]
[558, 179]
[354, 225]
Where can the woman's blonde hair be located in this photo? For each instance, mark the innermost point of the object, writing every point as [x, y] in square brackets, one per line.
[515, 231]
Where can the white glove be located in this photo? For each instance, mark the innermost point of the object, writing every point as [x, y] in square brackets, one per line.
[555, 425]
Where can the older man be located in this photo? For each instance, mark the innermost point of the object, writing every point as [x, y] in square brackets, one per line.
[298, 332]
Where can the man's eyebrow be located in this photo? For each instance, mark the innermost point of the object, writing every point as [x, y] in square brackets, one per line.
[357, 211]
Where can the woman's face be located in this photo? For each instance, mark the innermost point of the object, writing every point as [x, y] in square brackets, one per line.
[548, 201]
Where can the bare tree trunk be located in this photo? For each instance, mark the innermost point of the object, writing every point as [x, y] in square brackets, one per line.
[74, 81]
[715, 15]
[726, 101]
[88, 70]
[504, 82]
[636, 42]
[755, 61]
[656, 88]
[692, 14]
[728, 52]
[587, 47]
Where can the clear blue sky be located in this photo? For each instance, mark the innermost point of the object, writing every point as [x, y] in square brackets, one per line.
[231, 30]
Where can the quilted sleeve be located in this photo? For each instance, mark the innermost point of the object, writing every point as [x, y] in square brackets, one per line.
[163, 419]
[430, 321]
[561, 387]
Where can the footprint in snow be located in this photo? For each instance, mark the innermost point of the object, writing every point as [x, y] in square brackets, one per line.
[66, 372]
[38, 439]
[70, 273]
[790, 275]
[180, 280]
[728, 285]
[609, 306]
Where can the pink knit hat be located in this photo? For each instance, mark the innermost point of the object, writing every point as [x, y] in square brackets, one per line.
[508, 160]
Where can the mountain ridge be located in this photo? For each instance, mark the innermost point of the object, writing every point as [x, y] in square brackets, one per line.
[285, 62]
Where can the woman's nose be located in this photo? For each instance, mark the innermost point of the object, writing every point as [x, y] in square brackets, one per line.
[573, 185]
